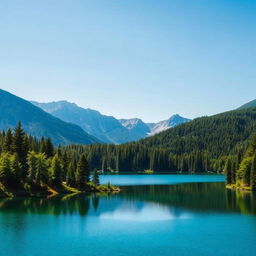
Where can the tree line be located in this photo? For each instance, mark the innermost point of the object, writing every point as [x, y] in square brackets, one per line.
[240, 169]
[26, 161]
[202, 145]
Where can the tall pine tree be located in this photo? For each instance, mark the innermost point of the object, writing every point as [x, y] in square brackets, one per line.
[82, 172]
[253, 173]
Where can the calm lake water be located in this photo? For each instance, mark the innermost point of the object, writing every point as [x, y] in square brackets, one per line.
[153, 215]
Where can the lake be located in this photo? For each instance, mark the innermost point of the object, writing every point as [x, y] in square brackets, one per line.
[190, 215]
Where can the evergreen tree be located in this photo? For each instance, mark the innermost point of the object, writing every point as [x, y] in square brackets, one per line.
[83, 172]
[96, 179]
[7, 147]
[32, 165]
[19, 146]
[42, 145]
[5, 169]
[253, 173]
[16, 170]
[41, 168]
[228, 171]
[55, 171]
[49, 149]
[65, 165]
[71, 178]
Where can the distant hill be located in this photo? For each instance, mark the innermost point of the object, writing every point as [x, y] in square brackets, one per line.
[201, 145]
[149, 129]
[107, 128]
[136, 125]
[39, 123]
[218, 134]
[249, 105]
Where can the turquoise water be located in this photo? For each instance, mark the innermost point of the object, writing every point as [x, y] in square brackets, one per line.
[163, 179]
[191, 218]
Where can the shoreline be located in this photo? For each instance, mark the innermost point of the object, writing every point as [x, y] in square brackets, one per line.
[242, 188]
[46, 191]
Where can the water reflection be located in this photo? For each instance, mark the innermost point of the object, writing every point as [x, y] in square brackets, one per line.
[149, 212]
[154, 202]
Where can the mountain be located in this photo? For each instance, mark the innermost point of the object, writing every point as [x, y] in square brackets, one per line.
[201, 145]
[249, 105]
[149, 129]
[107, 128]
[218, 134]
[167, 124]
[39, 123]
[136, 125]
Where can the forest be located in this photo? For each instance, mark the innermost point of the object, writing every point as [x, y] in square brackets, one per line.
[33, 166]
[216, 144]
[202, 145]
[240, 169]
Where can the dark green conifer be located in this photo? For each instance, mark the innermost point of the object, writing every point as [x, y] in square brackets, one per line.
[96, 179]
[253, 173]
[228, 171]
[41, 168]
[82, 172]
[6, 169]
[49, 149]
[20, 147]
[16, 170]
[71, 173]
[55, 171]
[7, 147]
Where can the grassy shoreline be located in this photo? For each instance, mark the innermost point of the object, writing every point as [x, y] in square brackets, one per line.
[33, 190]
[240, 187]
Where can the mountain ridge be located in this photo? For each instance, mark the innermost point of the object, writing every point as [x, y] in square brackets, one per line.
[249, 104]
[38, 123]
[107, 128]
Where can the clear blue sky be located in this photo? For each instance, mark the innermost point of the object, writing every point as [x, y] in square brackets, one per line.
[131, 58]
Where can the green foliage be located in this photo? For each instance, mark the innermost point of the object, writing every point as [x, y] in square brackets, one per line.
[16, 168]
[82, 172]
[5, 169]
[55, 171]
[243, 173]
[42, 167]
[71, 178]
[228, 171]
[29, 163]
[96, 179]
[244, 170]
[253, 173]
[32, 164]
[7, 146]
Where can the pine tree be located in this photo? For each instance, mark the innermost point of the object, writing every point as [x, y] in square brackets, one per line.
[41, 168]
[228, 171]
[83, 172]
[32, 165]
[5, 169]
[71, 178]
[65, 165]
[96, 179]
[16, 170]
[253, 173]
[55, 171]
[7, 147]
[42, 145]
[49, 149]
[20, 147]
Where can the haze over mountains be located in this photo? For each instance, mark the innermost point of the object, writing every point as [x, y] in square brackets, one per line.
[66, 123]
[249, 104]
[39, 123]
[107, 128]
